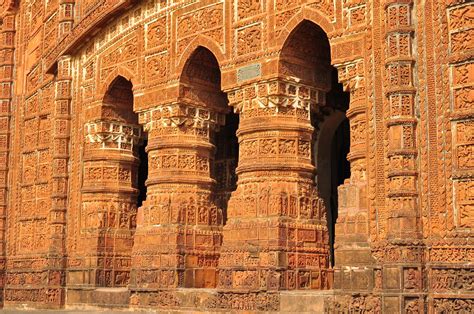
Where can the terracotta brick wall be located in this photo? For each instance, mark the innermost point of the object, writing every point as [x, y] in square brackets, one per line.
[69, 139]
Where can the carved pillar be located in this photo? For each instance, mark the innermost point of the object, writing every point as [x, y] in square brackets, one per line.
[66, 16]
[57, 214]
[7, 33]
[109, 197]
[276, 235]
[403, 222]
[178, 227]
[401, 254]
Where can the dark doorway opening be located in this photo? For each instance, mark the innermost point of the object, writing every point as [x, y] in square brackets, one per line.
[226, 160]
[142, 172]
[340, 169]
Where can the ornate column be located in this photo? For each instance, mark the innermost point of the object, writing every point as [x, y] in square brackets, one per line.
[401, 252]
[276, 235]
[403, 223]
[7, 48]
[109, 200]
[179, 226]
[66, 17]
[405, 263]
[447, 173]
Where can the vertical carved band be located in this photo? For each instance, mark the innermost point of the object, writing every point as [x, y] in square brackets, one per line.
[402, 152]
[7, 33]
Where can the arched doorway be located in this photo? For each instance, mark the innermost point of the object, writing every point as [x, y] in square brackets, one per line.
[186, 139]
[201, 75]
[226, 160]
[276, 213]
[330, 149]
[306, 55]
[112, 183]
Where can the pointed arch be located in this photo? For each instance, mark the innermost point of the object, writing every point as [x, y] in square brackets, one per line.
[112, 76]
[200, 41]
[305, 14]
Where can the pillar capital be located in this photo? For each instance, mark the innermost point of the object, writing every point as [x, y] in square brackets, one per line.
[112, 134]
[275, 97]
[181, 115]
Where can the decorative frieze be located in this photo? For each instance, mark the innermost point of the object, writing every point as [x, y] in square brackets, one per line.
[111, 134]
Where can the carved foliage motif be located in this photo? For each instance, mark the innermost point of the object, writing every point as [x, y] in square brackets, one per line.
[461, 28]
[156, 34]
[156, 67]
[453, 254]
[207, 21]
[125, 53]
[247, 8]
[453, 305]
[249, 39]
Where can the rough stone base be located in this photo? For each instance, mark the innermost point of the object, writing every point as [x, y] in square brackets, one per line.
[99, 297]
[199, 300]
[211, 300]
[305, 301]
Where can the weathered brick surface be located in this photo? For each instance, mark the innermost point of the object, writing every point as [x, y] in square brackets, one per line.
[237, 103]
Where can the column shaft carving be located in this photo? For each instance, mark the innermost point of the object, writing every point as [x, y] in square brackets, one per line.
[401, 253]
[66, 17]
[109, 200]
[403, 222]
[7, 33]
[60, 158]
[179, 226]
[352, 224]
[276, 235]
[448, 114]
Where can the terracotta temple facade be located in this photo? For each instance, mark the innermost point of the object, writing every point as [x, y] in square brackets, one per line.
[258, 155]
